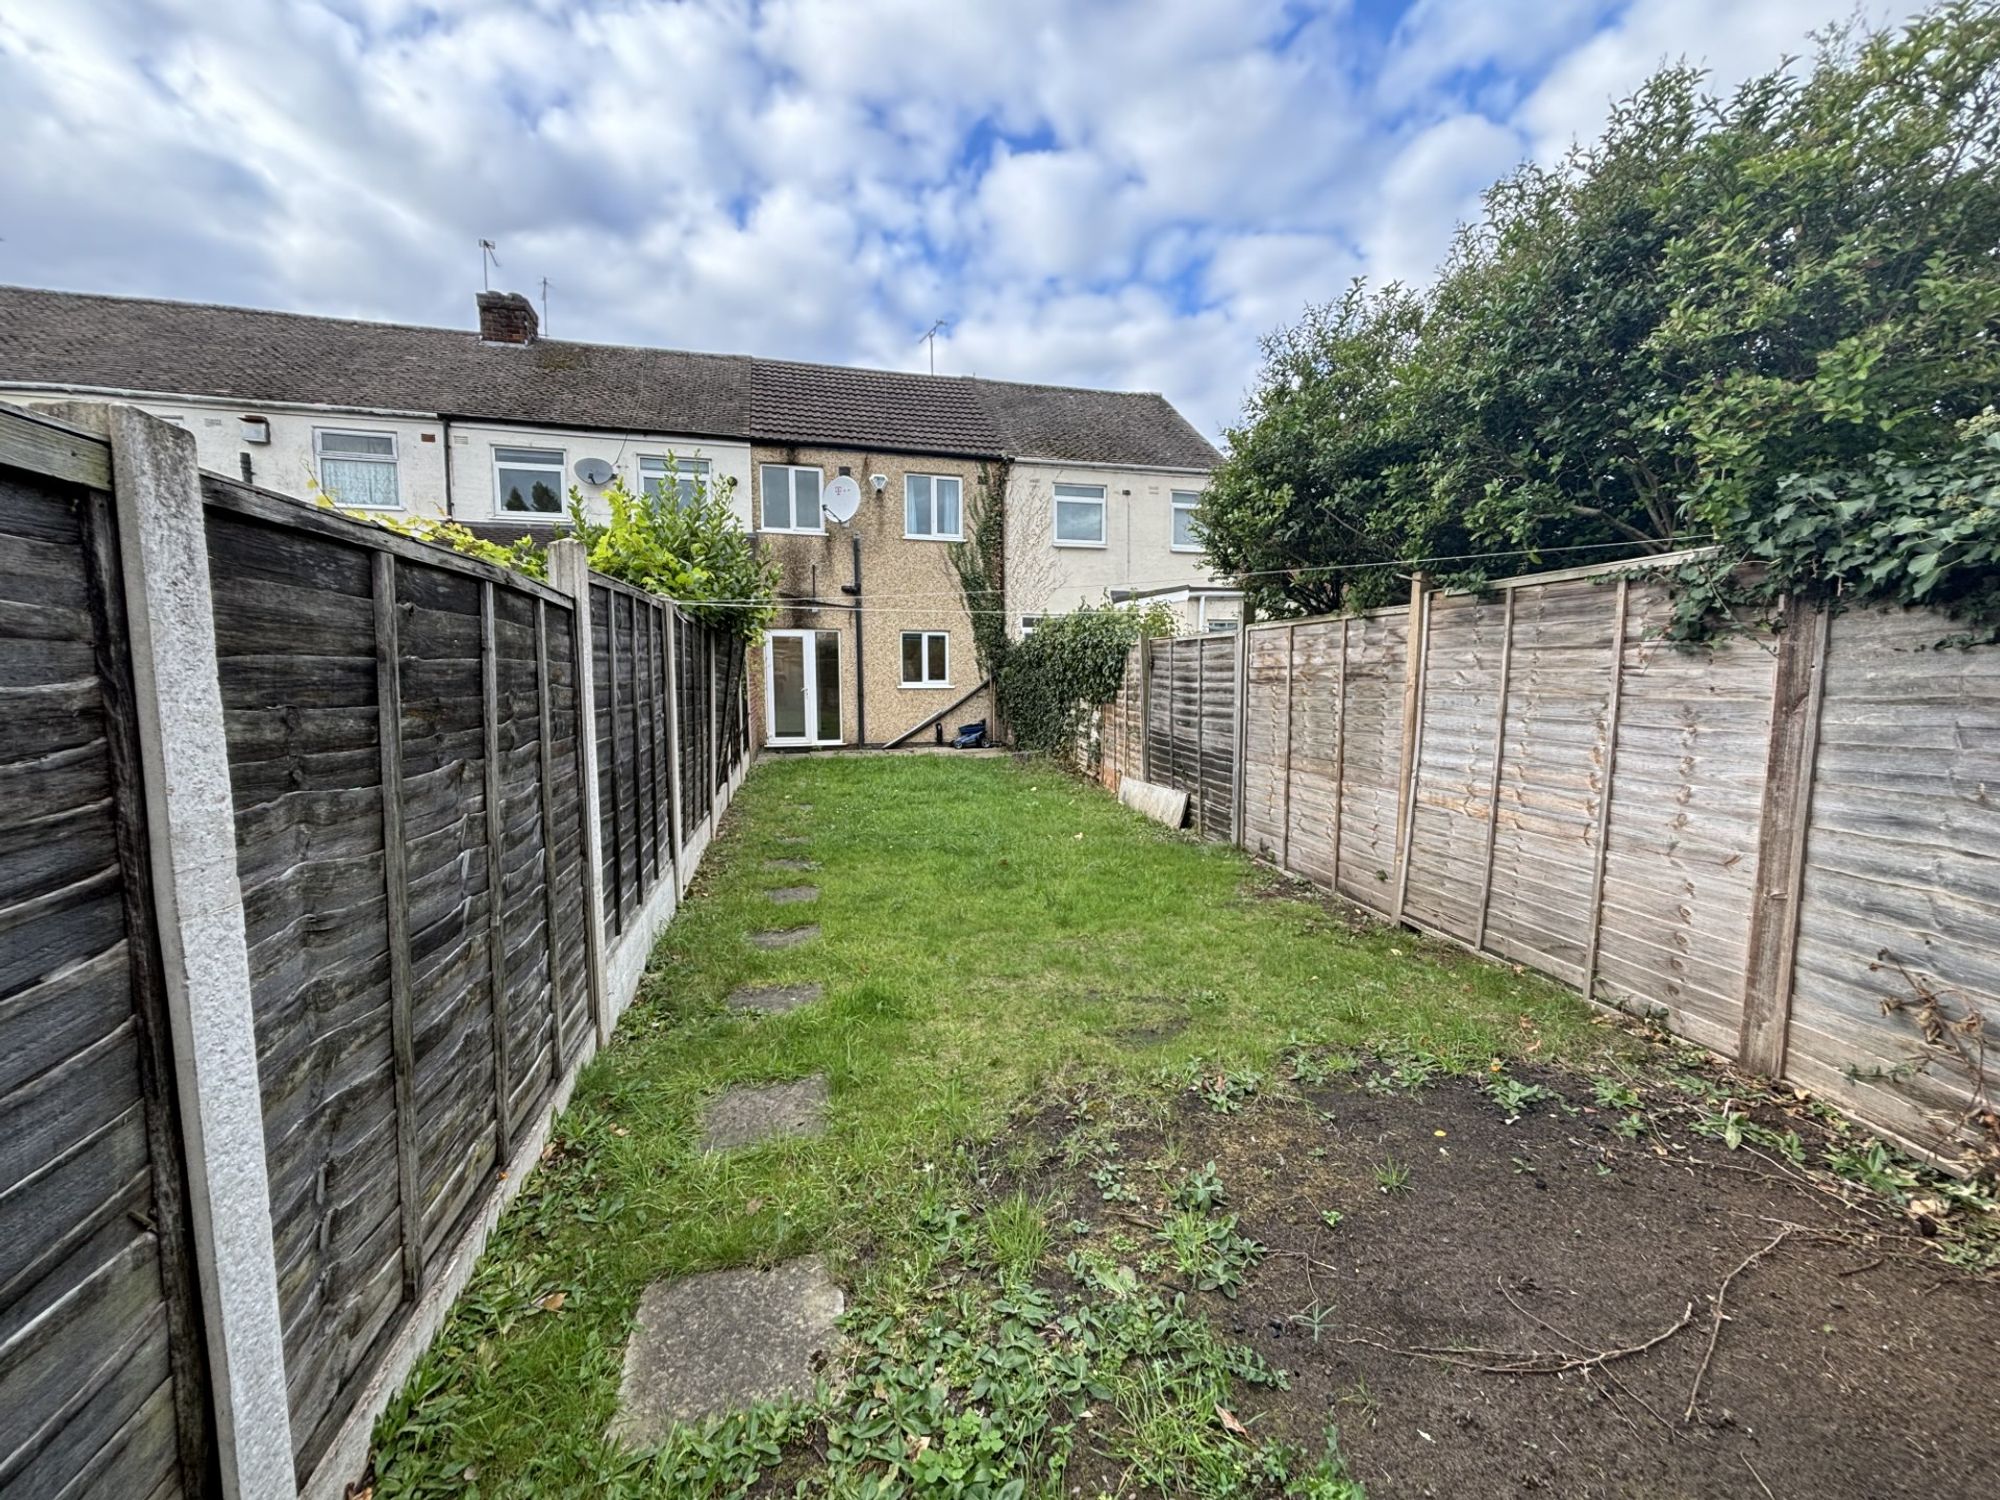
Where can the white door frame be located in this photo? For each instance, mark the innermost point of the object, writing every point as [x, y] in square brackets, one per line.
[810, 652]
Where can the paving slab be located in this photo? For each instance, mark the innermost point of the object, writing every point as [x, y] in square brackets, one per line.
[791, 864]
[753, 1112]
[773, 999]
[794, 839]
[784, 937]
[792, 895]
[721, 1341]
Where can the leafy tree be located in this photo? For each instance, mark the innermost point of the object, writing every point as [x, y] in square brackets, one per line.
[1720, 309]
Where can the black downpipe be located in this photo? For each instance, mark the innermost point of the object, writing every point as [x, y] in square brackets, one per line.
[860, 676]
[249, 474]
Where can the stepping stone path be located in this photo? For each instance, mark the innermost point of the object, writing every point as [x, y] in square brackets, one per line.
[719, 1341]
[753, 1112]
[794, 839]
[791, 864]
[792, 895]
[773, 999]
[784, 937]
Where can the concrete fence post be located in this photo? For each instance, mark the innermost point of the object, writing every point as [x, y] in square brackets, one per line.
[191, 829]
[569, 574]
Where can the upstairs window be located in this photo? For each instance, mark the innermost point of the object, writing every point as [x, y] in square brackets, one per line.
[1079, 515]
[926, 658]
[529, 481]
[357, 469]
[790, 499]
[1185, 504]
[673, 478]
[931, 507]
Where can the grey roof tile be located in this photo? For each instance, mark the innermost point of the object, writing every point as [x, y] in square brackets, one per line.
[201, 349]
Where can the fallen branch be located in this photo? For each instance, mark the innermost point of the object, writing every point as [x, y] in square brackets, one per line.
[1715, 1325]
[1533, 1362]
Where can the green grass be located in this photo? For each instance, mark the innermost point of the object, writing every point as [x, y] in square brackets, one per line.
[991, 934]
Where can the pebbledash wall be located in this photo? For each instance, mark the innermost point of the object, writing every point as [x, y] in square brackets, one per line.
[907, 584]
[340, 857]
[1782, 845]
[443, 466]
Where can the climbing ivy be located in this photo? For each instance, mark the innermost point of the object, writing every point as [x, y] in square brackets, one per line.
[980, 563]
[1071, 663]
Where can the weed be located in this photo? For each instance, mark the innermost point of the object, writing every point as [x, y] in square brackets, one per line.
[1201, 1189]
[1392, 1176]
[1514, 1097]
[1111, 1184]
[1209, 1252]
[1018, 1232]
[1331, 1217]
[1611, 1094]
[1313, 1317]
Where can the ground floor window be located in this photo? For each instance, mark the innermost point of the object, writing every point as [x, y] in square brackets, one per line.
[357, 468]
[926, 658]
[529, 480]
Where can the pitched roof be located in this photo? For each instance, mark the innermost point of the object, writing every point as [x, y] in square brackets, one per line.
[203, 349]
[1106, 427]
[801, 403]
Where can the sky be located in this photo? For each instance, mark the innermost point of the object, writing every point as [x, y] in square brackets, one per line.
[1115, 194]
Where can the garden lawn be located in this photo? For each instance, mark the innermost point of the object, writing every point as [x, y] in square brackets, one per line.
[995, 938]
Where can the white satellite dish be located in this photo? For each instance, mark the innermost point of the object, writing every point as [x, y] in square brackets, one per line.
[594, 471]
[841, 499]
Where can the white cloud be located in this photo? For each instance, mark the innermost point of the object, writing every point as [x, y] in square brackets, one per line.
[1124, 192]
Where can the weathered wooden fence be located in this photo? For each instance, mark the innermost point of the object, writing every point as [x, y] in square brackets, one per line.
[435, 815]
[1190, 725]
[1767, 842]
[102, 1377]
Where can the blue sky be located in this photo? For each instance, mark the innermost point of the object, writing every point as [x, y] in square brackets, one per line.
[1120, 194]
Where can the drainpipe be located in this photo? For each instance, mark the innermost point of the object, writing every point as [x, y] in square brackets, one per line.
[249, 474]
[860, 676]
[445, 438]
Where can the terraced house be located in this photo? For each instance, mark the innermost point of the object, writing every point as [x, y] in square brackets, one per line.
[495, 427]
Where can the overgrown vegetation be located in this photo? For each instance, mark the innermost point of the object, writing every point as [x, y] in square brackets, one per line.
[1053, 923]
[980, 564]
[1766, 321]
[684, 544]
[1051, 682]
[687, 546]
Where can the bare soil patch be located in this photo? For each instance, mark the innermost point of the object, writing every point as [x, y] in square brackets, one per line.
[1490, 1303]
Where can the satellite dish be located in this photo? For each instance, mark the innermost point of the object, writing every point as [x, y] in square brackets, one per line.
[841, 499]
[594, 471]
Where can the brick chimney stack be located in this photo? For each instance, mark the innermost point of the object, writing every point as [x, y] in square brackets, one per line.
[507, 318]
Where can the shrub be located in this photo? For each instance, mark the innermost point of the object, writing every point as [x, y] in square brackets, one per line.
[690, 549]
[1052, 680]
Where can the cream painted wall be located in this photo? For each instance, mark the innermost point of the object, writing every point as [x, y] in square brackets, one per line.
[1138, 552]
[287, 463]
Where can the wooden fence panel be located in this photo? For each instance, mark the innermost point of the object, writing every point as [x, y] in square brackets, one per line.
[529, 997]
[1902, 867]
[1681, 857]
[566, 807]
[444, 823]
[1452, 805]
[1369, 750]
[1266, 733]
[1564, 659]
[296, 649]
[1309, 839]
[1215, 743]
[101, 1378]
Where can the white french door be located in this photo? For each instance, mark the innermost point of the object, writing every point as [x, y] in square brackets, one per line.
[802, 687]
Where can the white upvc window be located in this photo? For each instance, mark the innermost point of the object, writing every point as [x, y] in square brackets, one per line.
[926, 659]
[357, 469]
[1079, 515]
[791, 499]
[672, 476]
[931, 507]
[1185, 504]
[528, 481]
